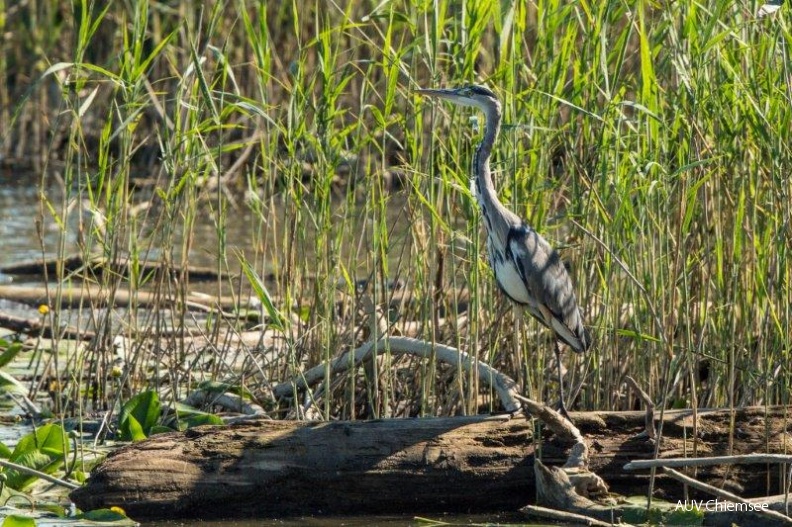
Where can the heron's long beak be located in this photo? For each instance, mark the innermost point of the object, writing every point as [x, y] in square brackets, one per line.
[441, 93]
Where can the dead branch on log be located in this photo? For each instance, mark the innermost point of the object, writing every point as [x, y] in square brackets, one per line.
[505, 387]
[746, 459]
[585, 482]
[554, 420]
[650, 431]
[576, 469]
[555, 489]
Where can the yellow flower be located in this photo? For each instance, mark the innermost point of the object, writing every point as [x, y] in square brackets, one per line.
[43, 309]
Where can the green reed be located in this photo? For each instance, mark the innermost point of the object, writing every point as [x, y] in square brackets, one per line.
[647, 142]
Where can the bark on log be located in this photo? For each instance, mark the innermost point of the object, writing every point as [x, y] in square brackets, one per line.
[462, 464]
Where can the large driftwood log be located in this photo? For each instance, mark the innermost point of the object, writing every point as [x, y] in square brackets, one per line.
[470, 464]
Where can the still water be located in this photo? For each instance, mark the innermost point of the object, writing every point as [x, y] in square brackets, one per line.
[30, 230]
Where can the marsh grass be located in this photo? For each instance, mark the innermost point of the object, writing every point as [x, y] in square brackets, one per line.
[647, 141]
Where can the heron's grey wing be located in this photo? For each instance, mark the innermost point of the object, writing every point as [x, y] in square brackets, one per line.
[549, 284]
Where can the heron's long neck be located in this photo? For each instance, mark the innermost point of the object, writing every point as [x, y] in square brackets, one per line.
[484, 189]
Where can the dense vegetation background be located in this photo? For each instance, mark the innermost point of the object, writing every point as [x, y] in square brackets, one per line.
[649, 141]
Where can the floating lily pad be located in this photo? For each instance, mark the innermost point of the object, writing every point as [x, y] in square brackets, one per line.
[15, 517]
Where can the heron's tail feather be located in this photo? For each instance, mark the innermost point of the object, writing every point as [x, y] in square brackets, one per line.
[587, 339]
[578, 339]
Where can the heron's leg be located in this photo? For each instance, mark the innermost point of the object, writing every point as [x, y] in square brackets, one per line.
[562, 405]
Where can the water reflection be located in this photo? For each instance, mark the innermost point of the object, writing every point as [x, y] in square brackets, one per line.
[243, 229]
[19, 206]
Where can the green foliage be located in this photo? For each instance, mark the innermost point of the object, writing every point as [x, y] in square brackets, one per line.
[112, 517]
[661, 513]
[44, 450]
[648, 142]
[218, 387]
[683, 516]
[114, 514]
[8, 350]
[276, 319]
[196, 419]
[141, 417]
[16, 520]
[186, 417]
[138, 416]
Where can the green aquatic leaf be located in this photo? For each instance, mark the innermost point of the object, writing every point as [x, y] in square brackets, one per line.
[50, 439]
[43, 450]
[35, 460]
[202, 419]
[104, 515]
[662, 512]
[130, 429]
[223, 387]
[160, 429]
[138, 415]
[17, 520]
[692, 516]
[11, 350]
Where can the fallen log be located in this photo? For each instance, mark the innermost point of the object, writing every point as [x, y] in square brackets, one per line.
[96, 264]
[96, 296]
[39, 327]
[462, 464]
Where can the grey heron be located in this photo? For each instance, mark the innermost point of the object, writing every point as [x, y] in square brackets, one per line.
[527, 269]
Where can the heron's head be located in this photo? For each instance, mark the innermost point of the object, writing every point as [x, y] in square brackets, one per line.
[471, 95]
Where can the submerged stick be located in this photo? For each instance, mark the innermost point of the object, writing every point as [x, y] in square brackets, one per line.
[565, 517]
